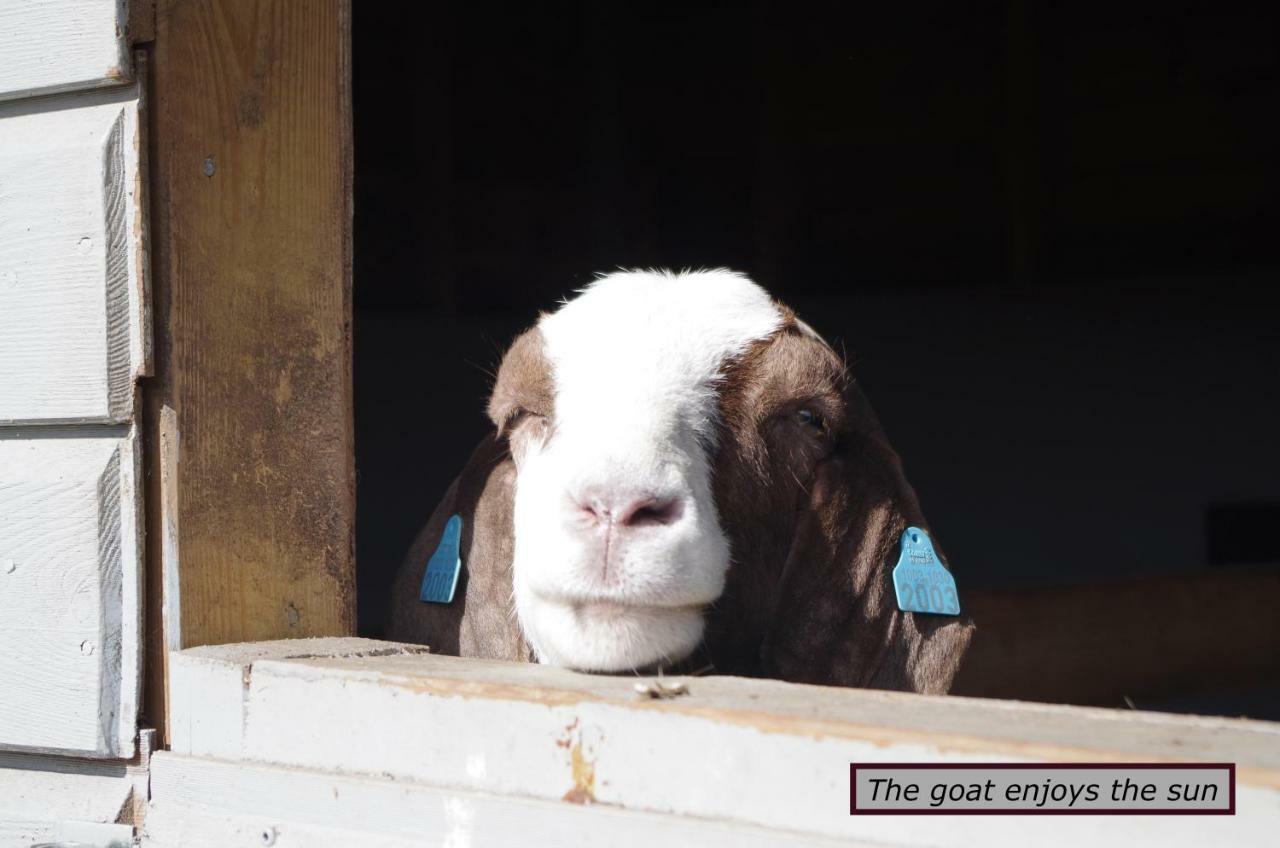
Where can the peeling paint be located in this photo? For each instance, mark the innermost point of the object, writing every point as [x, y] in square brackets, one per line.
[582, 765]
[566, 740]
[583, 772]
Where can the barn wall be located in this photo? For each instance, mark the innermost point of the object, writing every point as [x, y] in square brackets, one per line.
[74, 342]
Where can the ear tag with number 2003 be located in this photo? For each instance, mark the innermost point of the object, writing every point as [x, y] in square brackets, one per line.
[922, 582]
[441, 577]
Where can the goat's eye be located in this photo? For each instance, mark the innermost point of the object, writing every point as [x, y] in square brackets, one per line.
[809, 418]
[515, 420]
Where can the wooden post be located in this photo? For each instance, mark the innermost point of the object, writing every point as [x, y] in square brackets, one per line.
[249, 419]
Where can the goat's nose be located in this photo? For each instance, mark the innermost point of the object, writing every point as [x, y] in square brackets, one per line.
[629, 511]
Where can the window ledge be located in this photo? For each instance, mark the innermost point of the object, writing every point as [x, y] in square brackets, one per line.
[750, 752]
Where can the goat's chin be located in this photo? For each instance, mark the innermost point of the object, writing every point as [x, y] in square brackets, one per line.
[607, 636]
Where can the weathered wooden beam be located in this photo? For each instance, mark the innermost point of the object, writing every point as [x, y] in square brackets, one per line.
[760, 753]
[252, 171]
[206, 803]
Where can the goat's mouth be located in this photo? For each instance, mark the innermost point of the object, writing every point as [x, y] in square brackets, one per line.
[607, 609]
[608, 635]
[605, 606]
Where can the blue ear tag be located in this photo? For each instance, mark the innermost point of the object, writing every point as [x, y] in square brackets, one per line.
[922, 582]
[441, 577]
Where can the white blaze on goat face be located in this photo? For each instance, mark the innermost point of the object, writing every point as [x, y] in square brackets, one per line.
[618, 547]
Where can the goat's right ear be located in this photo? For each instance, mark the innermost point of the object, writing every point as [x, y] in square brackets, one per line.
[836, 617]
[478, 622]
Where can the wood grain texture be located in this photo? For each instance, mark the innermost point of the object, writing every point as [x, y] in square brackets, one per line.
[760, 753]
[70, 567]
[251, 164]
[72, 327]
[63, 799]
[203, 803]
[142, 26]
[62, 45]
[163, 607]
[214, 726]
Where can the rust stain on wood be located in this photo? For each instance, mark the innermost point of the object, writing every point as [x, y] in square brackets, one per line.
[583, 773]
[582, 767]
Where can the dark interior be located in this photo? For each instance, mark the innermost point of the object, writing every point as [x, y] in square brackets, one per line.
[1046, 237]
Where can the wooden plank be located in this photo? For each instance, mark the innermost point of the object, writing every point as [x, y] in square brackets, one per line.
[163, 608]
[768, 754]
[72, 332]
[214, 727]
[1100, 643]
[70, 567]
[206, 802]
[23, 833]
[142, 25]
[58, 798]
[251, 150]
[62, 45]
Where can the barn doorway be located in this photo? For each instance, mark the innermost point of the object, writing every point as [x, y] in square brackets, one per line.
[1051, 230]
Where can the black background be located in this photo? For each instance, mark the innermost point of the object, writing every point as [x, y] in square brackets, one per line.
[1047, 238]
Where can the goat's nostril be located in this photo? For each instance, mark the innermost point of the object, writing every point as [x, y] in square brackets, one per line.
[652, 512]
[627, 512]
[595, 511]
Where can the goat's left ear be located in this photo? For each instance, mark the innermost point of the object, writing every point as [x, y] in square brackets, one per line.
[477, 622]
[836, 619]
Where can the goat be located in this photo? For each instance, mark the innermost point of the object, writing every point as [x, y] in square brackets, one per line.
[681, 473]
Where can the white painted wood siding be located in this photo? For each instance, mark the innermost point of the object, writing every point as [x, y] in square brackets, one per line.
[56, 799]
[205, 803]
[758, 754]
[61, 45]
[73, 340]
[70, 582]
[72, 329]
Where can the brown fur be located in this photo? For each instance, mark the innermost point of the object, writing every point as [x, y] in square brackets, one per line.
[525, 383]
[813, 516]
[481, 621]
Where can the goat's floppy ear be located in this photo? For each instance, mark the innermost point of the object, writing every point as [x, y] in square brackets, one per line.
[478, 622]
[837, 620]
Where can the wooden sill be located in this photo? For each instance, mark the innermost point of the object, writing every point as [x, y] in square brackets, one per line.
[752, 752]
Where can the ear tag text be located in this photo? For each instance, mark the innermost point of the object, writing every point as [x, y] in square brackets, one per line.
[921, 581]
[441, 577]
